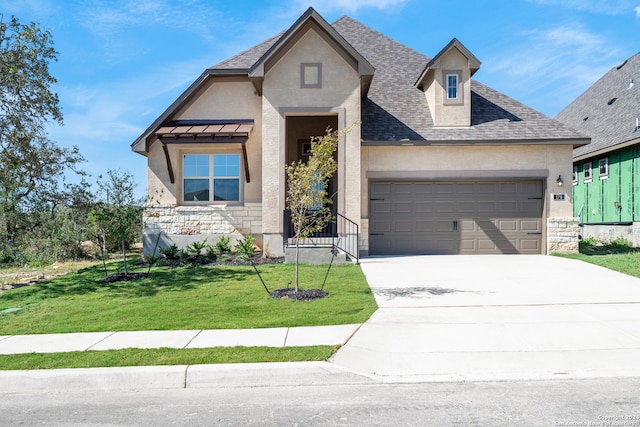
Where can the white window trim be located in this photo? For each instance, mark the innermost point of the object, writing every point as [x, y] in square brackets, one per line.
[211, 154]
[604, 175]
[584, 177]
[447, 87]
[459, 99]
[575, 175]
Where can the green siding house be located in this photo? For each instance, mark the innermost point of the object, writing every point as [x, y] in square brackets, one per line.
[606, 173]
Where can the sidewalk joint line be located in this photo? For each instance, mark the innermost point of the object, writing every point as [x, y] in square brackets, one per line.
[352, 334]
[286, 337]
[186, 375]
[99, 341]
[191, 340]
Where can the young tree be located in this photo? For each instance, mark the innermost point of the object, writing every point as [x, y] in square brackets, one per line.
[118, 215]
[31, 166]
[307, 198]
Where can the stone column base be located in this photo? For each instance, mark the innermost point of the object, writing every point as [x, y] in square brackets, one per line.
[562, 235]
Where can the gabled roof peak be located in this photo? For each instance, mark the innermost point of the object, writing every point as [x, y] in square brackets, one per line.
[474, 63]
[364, 68]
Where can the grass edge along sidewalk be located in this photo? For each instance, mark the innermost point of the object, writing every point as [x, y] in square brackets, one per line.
[164, 356]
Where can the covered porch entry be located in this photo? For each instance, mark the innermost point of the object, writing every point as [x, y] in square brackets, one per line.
[299, 131]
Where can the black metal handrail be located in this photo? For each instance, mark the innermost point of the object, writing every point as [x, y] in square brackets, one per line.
[340, 232]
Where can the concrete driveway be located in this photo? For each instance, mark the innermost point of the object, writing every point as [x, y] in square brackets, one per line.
[445, 318]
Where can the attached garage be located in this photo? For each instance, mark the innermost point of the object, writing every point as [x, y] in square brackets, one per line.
[456, 217]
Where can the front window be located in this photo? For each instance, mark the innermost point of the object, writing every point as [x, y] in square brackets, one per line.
[603, 168]
[452, 86]
[211, 177]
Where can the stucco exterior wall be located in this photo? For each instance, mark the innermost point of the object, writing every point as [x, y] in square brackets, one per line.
[338, 94]
[545, 162]
[444, 112]
[220, 98]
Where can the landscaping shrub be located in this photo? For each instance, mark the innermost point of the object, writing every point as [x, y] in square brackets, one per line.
[245, 246]
[223, 245]
[620, 245]
[170, 252]
[196, 248]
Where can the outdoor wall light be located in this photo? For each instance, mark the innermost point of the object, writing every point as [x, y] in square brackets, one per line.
[559, 181]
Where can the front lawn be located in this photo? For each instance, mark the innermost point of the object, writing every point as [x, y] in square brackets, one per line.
[202, 297]
[618, 255]
[628, 263]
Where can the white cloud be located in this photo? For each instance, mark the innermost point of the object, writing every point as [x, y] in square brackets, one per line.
[637, 9]
[562, 61]
[27, 10]
[608, 7]
[122, 26]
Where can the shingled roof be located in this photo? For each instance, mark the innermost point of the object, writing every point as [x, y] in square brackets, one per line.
[608, 110]
[395, 111]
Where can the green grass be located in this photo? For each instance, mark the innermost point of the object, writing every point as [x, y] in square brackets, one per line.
[207, 297]
[618, 255]
[163, 356]
[628, 263]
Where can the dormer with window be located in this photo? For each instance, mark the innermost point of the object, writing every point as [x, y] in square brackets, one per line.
[446, 82]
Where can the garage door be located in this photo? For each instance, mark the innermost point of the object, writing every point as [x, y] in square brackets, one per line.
[455, 217]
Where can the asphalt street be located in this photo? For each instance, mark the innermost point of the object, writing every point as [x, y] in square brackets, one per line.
[588, 402]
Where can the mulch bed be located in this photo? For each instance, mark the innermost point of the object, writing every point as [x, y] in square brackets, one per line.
[300, 295]
[230, 259]
[193, 260]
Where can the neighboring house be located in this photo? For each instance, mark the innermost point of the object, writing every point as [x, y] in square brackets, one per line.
[606, 173]
[440, 164]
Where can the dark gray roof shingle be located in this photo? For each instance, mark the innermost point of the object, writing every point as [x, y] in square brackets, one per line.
[246, 59]
[607, 124]
[395, 109]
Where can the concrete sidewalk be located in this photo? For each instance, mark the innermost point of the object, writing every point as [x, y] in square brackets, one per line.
[268, 337]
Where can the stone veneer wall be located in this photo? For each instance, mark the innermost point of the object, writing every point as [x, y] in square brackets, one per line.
[185, 224]
[364, 236]
[562, 235]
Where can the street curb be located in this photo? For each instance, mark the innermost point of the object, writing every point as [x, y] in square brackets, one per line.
[180, 376]
[135, 377]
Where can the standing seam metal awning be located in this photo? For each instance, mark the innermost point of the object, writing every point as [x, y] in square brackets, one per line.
[205, 132]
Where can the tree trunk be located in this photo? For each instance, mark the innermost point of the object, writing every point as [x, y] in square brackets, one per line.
[124, 258]
[297, 260]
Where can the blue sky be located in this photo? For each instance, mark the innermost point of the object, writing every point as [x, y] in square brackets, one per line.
[122, 63]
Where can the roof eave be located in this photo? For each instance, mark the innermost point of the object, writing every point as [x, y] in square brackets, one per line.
[607, 149]
[575, 142]
[140, 145]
